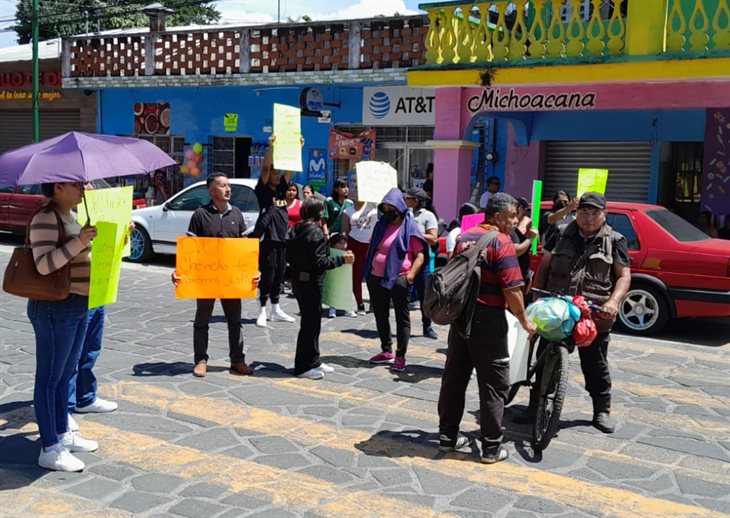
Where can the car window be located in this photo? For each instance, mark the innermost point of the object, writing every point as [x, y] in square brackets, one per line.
[622, 224]
[190, 200]
[30, 189]
[6, 189]
[244, 198]
[678, 228]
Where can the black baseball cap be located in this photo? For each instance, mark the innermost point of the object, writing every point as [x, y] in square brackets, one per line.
[592, 199]
[416, 192]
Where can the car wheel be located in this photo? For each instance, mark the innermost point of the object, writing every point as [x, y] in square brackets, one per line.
[141, 245]
[643, 310]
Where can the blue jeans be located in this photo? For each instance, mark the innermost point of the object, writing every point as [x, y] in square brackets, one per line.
[59, 328]
[83, 382]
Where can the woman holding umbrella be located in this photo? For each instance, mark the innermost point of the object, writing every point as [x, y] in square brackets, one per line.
[59, 326]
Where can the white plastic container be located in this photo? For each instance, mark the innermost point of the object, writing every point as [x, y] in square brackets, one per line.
[519, 346]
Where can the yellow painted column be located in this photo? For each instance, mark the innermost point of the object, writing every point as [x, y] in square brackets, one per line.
[645, 27]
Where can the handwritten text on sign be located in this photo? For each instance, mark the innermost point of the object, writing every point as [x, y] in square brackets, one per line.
[216, 268]
[374, 180]
[106, 263]
[110, 205]
[288, 132]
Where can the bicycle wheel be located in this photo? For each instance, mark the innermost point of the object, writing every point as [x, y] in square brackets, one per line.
[553, 385]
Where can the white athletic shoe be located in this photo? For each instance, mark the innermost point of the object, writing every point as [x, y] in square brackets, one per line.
[331, 313]
[312, 374]
[326, 368]
[59, 458]
[98, 406]
[278, 315]
[73, 441]
[73, 426]
[351, 314]
[261, 319]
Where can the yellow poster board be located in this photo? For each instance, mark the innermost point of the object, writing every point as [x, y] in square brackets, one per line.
[109, 205]
[592, 180]
[216, 268]
[106, 263]
[288, 133]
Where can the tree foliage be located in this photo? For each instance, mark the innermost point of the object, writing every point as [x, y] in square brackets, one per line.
[58, 18]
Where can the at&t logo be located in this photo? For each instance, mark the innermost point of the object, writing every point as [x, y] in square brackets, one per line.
[379, 105]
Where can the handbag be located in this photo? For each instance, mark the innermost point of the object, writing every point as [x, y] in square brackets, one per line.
[23, 279]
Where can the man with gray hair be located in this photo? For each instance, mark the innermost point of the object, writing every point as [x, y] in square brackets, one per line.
[486, 347]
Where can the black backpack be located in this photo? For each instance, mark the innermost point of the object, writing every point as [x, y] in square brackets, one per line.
[452, 290]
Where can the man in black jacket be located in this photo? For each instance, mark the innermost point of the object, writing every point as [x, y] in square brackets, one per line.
[218, 219]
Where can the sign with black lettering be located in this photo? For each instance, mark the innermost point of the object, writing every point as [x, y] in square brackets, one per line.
[398, 106]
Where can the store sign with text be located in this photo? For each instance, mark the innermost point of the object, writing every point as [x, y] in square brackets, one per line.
[22, 95]
[513, 99]
[398, 106]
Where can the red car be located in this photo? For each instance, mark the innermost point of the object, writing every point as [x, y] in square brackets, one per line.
[19, 203]
[676, 270]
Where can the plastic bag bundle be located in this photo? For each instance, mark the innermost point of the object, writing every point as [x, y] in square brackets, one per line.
[585, 330]
[554, 317]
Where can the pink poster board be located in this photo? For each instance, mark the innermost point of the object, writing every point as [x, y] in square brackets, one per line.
[471, 220]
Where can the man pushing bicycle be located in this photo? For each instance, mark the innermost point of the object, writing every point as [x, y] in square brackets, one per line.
[588, 258]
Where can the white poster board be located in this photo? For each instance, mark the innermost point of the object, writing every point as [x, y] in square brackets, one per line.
[519, 347]
[374, 180]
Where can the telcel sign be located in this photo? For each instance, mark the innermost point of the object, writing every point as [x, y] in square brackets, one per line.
[398, 106]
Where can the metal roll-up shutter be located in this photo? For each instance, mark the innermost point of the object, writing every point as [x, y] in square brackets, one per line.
[628, 164]
[16, 129]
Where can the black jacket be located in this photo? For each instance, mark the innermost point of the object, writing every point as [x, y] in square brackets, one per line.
[307, 251]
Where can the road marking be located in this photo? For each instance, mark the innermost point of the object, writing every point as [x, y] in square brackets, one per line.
[373, 345]
[561, 489]
[284, 488]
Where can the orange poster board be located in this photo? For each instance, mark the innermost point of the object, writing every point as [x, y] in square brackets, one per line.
[216, 268]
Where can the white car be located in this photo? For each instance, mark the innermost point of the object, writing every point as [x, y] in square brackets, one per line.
[157, 228]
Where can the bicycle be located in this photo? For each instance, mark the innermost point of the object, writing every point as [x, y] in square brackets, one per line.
[552, 364]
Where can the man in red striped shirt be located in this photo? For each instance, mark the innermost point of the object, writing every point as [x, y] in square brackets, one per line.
[486, 348]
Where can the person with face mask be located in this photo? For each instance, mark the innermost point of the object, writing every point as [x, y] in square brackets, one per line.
[395, 258]
[559, 216]
[486, 348]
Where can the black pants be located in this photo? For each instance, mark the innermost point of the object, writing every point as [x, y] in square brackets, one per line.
[380, 300]
[487, 351]
[232, 310]
[309, 298]
[272, 264]
[419, 286]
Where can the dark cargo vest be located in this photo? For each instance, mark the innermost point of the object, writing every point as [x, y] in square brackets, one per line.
[590, 274]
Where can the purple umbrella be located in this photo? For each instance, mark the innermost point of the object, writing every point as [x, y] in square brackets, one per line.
[80, 157]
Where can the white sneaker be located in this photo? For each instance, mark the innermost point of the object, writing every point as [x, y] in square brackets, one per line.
[99, 406]
[73, 426]
[278, 315]
[312, 374]
[331, 313]
[261, 319]
[73, 441]
[326, 368]
[59, 458]
[351, 314]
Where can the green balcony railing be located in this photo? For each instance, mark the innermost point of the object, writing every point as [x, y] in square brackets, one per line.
[519, 30]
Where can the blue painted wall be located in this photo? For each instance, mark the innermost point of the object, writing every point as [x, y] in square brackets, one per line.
[197, 113]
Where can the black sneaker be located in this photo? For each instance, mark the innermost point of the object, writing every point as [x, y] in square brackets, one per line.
[447, 444]
[430, 333]
[497, 456]
[603, 422]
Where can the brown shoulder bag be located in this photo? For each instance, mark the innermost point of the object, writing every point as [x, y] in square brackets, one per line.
[22, 277]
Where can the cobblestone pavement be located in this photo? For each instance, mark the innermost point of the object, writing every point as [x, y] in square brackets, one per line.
[361, 442]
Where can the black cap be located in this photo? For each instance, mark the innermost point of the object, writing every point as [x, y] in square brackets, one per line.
[592, 199]
[416, 192]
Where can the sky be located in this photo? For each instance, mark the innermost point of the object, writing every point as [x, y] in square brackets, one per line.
[248, 11]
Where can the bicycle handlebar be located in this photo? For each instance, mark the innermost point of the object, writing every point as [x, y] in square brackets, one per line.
[545, 293]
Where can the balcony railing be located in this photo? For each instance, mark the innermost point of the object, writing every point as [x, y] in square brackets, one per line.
[520, 30]
[379, 43]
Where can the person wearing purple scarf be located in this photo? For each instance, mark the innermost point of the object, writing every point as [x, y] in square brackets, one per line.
[395, 259]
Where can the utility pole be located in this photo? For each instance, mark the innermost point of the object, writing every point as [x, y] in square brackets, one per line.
[278, 11]
[34, 26]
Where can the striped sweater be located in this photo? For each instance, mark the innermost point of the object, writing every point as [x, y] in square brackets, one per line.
[49, 258]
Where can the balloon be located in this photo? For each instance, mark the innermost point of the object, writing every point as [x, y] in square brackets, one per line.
[195, 171]
[191, 164]
[184, 169]
[188, 154]
[197, 158]
[198, 147]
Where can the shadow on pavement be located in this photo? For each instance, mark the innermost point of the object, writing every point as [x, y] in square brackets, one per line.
[370, 334]
[270, 370]
[18, 452]
[169, 369]
[409, 443]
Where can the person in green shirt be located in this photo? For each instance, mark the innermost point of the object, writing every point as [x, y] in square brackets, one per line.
[336, 205]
